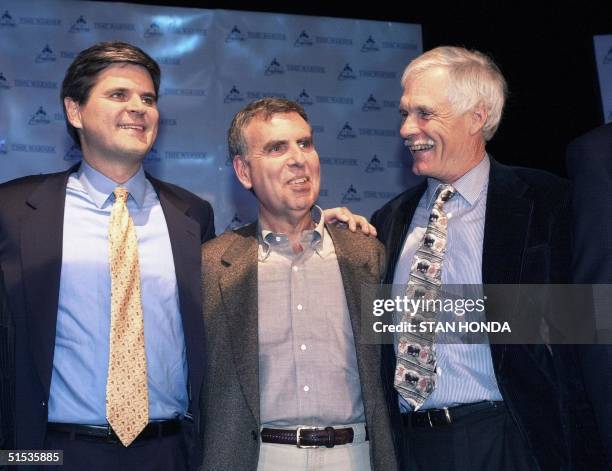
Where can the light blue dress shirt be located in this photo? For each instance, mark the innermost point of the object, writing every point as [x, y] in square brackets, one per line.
[80, 362]
[466, 372]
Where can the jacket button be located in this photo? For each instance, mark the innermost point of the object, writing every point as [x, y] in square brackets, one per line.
[43, 403]
[254, 435]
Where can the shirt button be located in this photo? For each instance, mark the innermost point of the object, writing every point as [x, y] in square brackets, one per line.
[300, 307]
[295, 268]
[303, 347]
[306, 388]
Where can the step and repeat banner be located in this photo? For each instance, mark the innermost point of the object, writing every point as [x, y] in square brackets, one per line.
[603, 57]
[344, 72]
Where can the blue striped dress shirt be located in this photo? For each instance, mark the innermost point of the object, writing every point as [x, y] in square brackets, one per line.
[465, 372]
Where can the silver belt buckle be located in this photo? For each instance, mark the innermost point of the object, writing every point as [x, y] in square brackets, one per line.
[298, 437]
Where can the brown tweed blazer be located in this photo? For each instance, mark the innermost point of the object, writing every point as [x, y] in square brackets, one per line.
[230, 395]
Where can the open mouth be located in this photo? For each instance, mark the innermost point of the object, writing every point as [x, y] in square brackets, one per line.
[299, 181]
[419, 146]
[135, 127]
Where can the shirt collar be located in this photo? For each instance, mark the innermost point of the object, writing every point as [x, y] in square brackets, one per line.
[469, 186]
[100, 188]
[312, 237]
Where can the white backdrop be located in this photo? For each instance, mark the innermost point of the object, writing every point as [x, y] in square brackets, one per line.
[345, 72]
[603, 56]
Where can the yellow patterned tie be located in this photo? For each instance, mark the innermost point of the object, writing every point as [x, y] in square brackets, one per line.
[127, 401]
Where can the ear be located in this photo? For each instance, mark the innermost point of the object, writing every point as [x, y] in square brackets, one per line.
[243, 171]
[73, 112]
[478, 118]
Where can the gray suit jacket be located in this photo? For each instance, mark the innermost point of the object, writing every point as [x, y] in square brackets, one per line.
[230, 396]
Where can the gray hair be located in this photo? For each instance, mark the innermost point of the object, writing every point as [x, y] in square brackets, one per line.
[266, 108]
[474, 79]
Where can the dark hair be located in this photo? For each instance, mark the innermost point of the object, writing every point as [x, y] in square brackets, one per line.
[82, 74]
[266, 108]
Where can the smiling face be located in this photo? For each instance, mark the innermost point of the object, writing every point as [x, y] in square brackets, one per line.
[118, 121]
[281, 166]
[444, 145]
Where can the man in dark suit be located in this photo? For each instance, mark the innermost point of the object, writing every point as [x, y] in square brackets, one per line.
[54, 256]
[589, 163]
[492, 406]
[294, 388]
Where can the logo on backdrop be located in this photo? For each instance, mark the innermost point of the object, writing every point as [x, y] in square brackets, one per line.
[152, 156]
[153, 31]
[351, 195]
[375, 165]
[233, 96]
[3, 146]
[46, 55]
[370, 104]
[274, 68]
[4, 83]
[370, 45]
[608, 57]
[346, 132]
[73, 154]
[79, 26]
[6, 19]
[234, 35]
[235, 223]
[347, 73]
[40, 117]
[304, 99]
[303, 40]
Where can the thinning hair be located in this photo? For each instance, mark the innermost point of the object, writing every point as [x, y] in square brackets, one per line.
[82, 74]
[264, 108]
[474, 79]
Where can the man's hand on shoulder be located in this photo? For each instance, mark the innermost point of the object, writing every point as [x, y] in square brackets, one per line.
[353, 221]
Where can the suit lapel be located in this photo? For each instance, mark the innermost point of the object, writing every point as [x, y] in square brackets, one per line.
[238, 285]
[354, 277]
[400, 223]
[41, 256]
[184, 233]
[507, 223]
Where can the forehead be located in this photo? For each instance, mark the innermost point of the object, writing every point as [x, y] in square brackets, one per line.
[428, 88]
[280, 126]
[125, 75]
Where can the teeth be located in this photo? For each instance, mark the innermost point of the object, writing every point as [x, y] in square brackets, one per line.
[131, 126]
[416, 147]
[299, 180]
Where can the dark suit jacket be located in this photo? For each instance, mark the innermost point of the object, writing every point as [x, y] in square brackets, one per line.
[589, 163]
[526, 240]
[230, 402]
[31, 225]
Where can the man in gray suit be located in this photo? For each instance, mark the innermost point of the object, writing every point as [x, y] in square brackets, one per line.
[293, 385]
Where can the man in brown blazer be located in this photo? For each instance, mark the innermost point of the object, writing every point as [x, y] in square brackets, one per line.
[282, 308]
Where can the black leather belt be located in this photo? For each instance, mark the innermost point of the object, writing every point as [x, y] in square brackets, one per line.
[309, 437]
[162, 428]
[448, 415]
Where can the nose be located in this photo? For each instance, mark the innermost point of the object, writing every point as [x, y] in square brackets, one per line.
[409, 127]
[297, 156]
[135, 104]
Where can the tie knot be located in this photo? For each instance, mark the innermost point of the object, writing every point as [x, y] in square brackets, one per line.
[445, 192]
[121, 194]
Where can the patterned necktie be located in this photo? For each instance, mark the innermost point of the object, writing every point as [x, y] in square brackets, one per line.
[127, 402]
[415, 372]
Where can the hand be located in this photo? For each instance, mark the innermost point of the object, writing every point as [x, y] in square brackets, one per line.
[353, 221]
